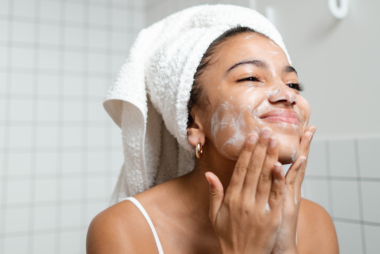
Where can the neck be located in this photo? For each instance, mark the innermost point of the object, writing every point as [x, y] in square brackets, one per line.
[195, 188]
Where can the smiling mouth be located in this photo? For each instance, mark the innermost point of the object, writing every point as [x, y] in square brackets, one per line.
[281, 116]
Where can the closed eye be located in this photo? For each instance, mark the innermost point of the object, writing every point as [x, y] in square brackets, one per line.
[251, 78]
[297, 86]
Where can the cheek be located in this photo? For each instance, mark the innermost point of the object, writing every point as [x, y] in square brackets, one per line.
[230, 127]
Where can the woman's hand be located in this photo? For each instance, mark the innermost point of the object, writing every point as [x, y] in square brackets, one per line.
[247, 217]
[286, 237]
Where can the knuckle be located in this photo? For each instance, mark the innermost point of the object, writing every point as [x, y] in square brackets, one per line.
[248, 147]
[263, 144]
[291, 182]
[229, 200]
[251, 169]
[245, 210]
[274, 194]
[214, 194]
[240, 169]
[264, 178]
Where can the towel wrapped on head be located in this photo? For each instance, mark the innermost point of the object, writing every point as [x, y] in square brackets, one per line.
[149, 98]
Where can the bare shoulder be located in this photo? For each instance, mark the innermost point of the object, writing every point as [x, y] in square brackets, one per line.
[316, 231]
[120, 229]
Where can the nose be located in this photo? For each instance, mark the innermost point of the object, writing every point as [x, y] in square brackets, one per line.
[283, 95]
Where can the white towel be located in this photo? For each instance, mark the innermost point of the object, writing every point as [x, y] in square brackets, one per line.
[149, 99]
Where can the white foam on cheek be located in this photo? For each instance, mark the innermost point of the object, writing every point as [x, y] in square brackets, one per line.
[251, 88]
[232, 120]
[215, 123]
[238, 124]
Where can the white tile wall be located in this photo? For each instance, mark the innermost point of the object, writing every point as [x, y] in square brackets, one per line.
[351, 186]
[349, 238]
[371, 201]
[342, 158]
[369, 157]
[58, 162]
[316, 165]
[372, 234]
[345, 200]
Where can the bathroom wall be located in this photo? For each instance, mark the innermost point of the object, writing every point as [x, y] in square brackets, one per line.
[59, 152]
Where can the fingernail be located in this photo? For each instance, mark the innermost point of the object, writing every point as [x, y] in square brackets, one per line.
[265, 132]
[252, 138]
[272, 142]
[313, 130]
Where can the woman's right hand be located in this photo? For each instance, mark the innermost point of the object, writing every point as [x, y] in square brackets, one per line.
[241, 218]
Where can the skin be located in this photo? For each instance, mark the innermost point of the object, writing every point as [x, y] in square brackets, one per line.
[222, 205]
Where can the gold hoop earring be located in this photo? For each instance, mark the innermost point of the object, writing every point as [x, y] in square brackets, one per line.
[199, 150]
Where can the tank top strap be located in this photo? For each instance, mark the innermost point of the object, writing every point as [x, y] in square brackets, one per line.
[142, 210]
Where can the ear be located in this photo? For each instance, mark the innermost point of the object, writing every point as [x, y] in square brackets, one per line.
[196, 132]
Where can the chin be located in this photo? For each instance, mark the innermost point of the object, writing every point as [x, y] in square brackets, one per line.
[289, 152]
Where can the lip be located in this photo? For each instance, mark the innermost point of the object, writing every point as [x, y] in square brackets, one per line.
[281, 115]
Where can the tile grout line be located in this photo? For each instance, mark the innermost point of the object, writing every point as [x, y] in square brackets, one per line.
[369, 223]
[360, 201]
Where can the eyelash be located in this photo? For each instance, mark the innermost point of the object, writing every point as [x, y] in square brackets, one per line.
[299, 86]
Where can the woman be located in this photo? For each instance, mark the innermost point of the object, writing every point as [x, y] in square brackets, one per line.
[245, 118]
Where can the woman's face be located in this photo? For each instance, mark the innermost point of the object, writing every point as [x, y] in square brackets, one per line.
[251, 85]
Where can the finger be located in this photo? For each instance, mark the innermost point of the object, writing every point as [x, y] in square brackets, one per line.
[301, 172]
[304, 152]
[255, 171]
[299, 180]
[237, 178]
[266, 175]
[258, 157]
[216, 195]
[277, 190]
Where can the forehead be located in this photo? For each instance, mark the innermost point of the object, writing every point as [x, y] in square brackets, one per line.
[250, 46]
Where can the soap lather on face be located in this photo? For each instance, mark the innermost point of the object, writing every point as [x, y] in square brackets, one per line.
[257, 92]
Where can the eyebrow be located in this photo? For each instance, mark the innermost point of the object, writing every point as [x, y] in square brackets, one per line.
[260, 64]
[289, 69]
[257, 63]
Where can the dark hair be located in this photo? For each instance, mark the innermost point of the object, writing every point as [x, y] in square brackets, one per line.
[196, 90]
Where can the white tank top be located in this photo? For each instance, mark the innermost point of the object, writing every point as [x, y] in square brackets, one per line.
[142, 210]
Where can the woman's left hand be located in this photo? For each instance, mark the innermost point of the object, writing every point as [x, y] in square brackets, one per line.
[286, 235]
